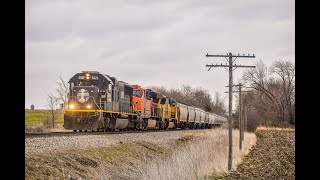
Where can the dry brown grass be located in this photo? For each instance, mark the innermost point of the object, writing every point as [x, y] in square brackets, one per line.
[35, 129]
[200, 158]
[194, 155]
[44, 128]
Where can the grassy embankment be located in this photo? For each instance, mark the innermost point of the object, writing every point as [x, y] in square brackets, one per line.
[196, 155]
[35, 119]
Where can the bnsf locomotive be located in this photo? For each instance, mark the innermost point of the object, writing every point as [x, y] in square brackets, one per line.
[99, 102]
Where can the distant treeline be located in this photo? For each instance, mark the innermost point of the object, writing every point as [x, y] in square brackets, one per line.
[198, 97]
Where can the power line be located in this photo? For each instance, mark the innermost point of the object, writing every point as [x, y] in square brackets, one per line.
[229, 57]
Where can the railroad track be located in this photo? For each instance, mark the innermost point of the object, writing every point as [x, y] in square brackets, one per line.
[47, 134]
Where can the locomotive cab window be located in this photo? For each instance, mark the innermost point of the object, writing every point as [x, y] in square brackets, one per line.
[148, 95]
[104, 85]
[163, 101]
[137, 93]
[172, 102]
[87, 83]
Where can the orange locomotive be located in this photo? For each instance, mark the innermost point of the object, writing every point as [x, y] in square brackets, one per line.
[145, 104]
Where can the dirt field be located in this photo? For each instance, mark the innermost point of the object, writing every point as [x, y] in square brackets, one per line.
[273, 157]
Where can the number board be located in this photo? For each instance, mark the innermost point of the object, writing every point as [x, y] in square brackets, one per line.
[93, 77]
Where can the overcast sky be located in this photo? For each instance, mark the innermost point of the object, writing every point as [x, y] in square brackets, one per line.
[151, 42]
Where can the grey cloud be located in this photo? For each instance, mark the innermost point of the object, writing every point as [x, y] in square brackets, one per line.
[58, 19]
[151, 42]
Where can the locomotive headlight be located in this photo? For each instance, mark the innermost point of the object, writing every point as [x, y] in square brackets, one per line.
[87, 77]
[71, 106]
[89, 106]
[87, 74]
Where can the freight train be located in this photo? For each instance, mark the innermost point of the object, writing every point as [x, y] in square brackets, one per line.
[99, 102]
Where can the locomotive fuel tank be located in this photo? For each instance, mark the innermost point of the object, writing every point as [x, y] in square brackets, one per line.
[171, 125]
[118, 123]
[151, 124]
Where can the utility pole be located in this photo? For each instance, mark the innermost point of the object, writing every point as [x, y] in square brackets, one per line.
[245, 117]
[245, 108]
[229, 57]
[245, 111]
[240, 122]
[242, 118]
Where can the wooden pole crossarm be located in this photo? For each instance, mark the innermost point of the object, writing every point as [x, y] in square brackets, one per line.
[230, 66]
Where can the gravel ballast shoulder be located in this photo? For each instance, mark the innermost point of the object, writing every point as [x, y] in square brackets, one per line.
[55, 143]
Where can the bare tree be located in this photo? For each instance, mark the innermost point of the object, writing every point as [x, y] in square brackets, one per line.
[62, 91]
[285, 76]
[203, 98]
[257, 78]
[256, 111]
[198, 97]
[274, 96]
[52, 103]
[160, 90]
[187, 91]
[218, 104]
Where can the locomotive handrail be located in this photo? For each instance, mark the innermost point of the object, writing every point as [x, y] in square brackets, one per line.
[96, 103]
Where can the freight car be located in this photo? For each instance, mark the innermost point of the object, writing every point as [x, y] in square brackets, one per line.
[99, 102]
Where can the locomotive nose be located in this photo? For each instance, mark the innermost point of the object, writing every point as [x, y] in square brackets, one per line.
[84, 97]
[84, 93]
